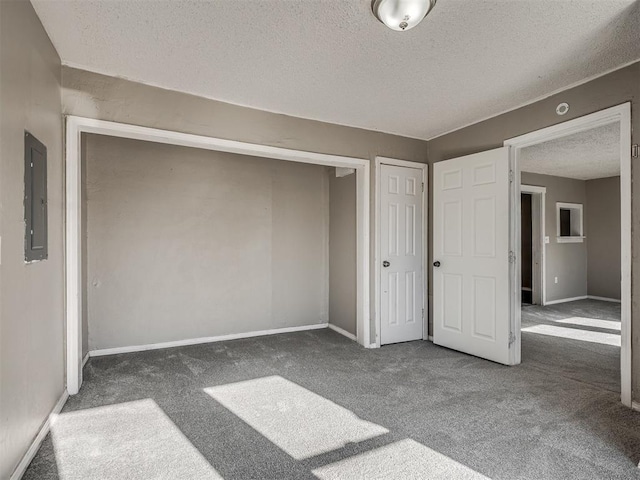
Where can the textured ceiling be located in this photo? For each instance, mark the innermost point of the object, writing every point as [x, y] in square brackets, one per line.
[583, 156]
[331, 60]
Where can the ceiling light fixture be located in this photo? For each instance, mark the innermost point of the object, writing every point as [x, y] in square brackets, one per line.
[401, 15]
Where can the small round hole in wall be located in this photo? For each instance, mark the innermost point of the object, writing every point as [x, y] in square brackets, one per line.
[562, 109]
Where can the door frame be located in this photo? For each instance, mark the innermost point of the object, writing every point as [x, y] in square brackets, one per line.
[618, 114]
[76, 126]
[376, 314]
[538, 215]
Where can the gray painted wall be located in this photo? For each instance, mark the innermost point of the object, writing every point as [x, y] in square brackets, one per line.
[602, 223]
[566, 261]
[31, 307]
[342, 251]
[98, 96]
[93, 95]
[186, 243]
[613, 89]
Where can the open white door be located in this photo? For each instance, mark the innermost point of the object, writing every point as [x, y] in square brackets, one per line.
[471, 291]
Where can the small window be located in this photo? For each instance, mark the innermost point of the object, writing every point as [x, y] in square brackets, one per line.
[35, 199]
[570, 224]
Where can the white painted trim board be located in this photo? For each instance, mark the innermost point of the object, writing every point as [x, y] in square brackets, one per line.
[42, 433]
[76, 126]
[197, 341]
[565, 300]
[604, 299]
[532, 189]
[539, 246]
[583, 297]
[575, 207]
[342, 331]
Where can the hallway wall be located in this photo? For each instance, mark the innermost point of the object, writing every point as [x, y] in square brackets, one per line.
[342, 251]
[565, 261]
[602, 227]
[32, 294]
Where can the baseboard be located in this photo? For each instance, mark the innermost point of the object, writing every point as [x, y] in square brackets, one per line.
[342, 331]
[196, 341]
[584, 297]
[604, 299]
[430, 338]
[635, 406]
[85, 359]
[564, 300]
[35, 445]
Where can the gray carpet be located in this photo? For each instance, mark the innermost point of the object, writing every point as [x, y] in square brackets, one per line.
[594, 363]
[316, 405]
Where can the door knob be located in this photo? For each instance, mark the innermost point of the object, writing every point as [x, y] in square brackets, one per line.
[436, 263]
[385, 264]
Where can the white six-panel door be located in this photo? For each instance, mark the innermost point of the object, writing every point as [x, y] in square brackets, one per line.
[401, 251]
[471, 254]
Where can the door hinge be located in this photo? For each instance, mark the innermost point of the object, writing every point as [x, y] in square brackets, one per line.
[423, 314]
[512, 338]
[423, 187]
[512, 256]
[634, 151]
[510, 175]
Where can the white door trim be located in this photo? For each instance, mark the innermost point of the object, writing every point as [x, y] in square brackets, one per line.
[375, 340]
[622, 114]
[76, 126]
[539, 247]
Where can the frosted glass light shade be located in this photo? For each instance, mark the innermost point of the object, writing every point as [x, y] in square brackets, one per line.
[401, 15]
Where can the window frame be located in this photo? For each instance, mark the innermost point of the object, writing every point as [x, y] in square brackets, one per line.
[574, 208]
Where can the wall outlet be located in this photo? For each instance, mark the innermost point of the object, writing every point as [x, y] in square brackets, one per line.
[555, 279]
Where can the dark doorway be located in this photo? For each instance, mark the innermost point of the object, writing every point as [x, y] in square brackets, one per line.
[527, 248]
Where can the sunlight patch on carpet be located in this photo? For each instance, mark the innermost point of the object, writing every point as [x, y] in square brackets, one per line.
[298, 421]
[403, 460]
[575, 334]
[592, 322]
[132, 440]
